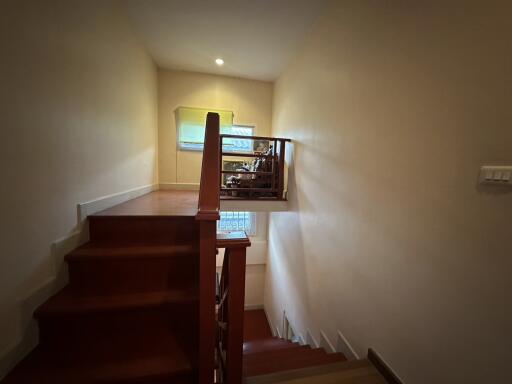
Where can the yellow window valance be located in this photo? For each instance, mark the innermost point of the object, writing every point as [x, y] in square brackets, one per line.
[190, 124]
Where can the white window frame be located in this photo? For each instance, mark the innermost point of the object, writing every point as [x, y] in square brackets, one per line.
[251, 230]
[253, 130]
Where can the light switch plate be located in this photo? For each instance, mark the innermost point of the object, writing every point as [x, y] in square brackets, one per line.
[496, 175]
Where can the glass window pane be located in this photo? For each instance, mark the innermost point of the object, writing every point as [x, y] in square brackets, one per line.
[237, 221]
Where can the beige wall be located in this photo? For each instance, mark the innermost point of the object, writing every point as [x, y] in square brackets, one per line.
[78, 118]
[251, 102]
[393, 106]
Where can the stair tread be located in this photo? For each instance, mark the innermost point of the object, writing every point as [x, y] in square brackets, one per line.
[348, 370]
[159, 357]
[268, 345]
[287, 364]
[69, 302]
[283, 359]
[156, 204]
[93, 251]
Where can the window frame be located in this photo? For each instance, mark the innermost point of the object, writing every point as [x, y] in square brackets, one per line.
[253, 129]
[252, 231]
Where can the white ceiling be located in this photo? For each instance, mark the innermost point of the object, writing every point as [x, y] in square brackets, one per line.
[256, 38]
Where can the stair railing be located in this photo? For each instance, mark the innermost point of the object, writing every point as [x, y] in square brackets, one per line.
[265, 182]
[208, 214]
[230, 310]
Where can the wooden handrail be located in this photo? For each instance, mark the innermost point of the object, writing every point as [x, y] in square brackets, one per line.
[229, 136]
[208, 214]
[243, 154]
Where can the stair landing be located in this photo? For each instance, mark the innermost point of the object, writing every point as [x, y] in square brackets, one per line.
[157, 203]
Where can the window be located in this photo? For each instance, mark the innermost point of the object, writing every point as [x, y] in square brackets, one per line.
[237, 221]
[191, 122]
[238, 145]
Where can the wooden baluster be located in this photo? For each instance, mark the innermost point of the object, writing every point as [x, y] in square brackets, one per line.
[220, 159]
[235, 304]
[274, 173]
[281, 170]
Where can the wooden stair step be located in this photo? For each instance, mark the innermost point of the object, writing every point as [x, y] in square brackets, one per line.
[143, 230]
[282, 353]
[159, 359]
[355, 371]
[105, 269]
[268, 345]
[92, 251]
[67, 302]
[258, 364]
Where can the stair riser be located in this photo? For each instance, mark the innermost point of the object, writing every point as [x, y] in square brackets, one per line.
[268, 347]
[101, 277]
[143, 230]
[121, 329]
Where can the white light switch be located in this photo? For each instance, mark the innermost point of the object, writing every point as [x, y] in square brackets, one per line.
[496, 175]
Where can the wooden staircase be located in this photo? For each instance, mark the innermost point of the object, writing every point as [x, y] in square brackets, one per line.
[269, 359]
[129, 313]
[140, 306]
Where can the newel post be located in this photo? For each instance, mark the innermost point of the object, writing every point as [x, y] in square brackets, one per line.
[207, 215]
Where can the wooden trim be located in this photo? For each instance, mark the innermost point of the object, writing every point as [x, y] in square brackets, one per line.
[208, 215]
[383, 368]
[249, 189]
[248, 172]
[228, 136]
[233, 239]
[243, 154]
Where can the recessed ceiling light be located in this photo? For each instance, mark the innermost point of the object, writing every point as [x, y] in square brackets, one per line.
[219, 61]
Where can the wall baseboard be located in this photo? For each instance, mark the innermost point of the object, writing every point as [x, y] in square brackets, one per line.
[384, 369]
[343, 346]
[101, 203]
[179, 186]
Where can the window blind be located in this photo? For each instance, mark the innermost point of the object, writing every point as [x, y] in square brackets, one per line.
[190, 123]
